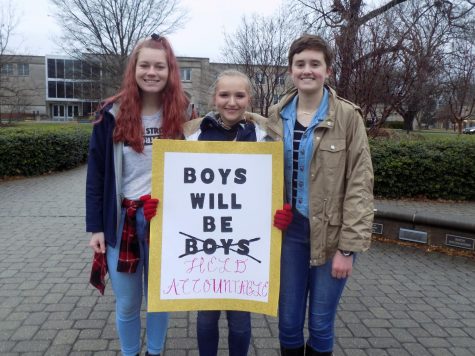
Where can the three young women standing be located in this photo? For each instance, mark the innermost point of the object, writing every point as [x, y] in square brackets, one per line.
[151, 104]
[329, 182]
[328, 179]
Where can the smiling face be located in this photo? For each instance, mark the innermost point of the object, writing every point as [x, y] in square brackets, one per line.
[231, 98]
[151, 71]
[309, 71]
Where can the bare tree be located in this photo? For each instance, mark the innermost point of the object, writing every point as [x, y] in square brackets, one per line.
[8, 23]
[107, 30]
[344, 19]
[461, 83]
[429, 27]
[259, 47]
[395, 50]
[376, 53]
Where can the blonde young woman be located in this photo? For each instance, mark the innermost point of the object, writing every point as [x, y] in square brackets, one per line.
[230, 122]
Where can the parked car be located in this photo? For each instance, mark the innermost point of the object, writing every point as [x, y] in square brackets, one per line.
[470, 130]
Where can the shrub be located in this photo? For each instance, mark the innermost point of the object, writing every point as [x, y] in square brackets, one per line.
[399, 125]
[37, 149]
[435, 169]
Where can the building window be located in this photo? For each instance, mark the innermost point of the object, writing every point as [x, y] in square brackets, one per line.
[60, 68]
[51, 89]
[260, 79]
[77, 69]
[69, 89]
[7, 69]
[96, 72]
[23, 69]
[185, 74]
[86, 108]
[51, 68]
[280, 80]
[60, 89]
[69, 69]
[86, 71]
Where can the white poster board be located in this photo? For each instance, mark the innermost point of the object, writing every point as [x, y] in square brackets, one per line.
[213, 245]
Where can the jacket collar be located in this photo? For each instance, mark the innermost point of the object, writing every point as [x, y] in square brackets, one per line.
[275, 123]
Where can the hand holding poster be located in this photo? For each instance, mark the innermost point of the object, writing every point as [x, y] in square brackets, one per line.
[213, 246]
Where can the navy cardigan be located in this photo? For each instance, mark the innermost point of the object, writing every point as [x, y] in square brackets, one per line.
[101, 199]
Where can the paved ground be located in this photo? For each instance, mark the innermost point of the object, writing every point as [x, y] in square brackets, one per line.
[400, 301]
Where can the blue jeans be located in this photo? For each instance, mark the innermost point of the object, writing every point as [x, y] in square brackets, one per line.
[299, 281]
[129, 289]
[239, 337]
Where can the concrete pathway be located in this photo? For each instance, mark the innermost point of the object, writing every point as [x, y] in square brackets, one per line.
[400, 301]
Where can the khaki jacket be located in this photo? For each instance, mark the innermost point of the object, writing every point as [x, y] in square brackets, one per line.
[341, 179]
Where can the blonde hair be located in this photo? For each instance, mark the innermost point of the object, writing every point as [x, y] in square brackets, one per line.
[231, 73]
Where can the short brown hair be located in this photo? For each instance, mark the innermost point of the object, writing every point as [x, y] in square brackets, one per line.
[312, 42]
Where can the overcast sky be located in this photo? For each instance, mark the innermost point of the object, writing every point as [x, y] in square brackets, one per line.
[201, 37]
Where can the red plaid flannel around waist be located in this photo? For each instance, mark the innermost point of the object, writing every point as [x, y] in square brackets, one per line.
[129, 254]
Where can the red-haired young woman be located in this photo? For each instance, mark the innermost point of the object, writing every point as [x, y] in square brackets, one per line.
[151, 104]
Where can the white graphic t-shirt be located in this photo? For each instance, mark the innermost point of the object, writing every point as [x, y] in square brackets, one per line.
[137, 167]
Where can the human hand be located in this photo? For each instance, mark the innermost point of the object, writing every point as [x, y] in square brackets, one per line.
[97, 242]
[149, 206]
[342, 266]
[283, 217]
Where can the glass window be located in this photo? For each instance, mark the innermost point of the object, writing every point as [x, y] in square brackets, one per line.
[51, 68]
[280, 80]
[185, 74]
[51, 89]
[60, 89]
[86, 70]
[77, 69]
[86, 90]
[69, 90]
[7, 69]
[68, 69]
[86, 108]
[23, 69]
[60, 68]
[77, 90]
[95, 91]
[96, 71]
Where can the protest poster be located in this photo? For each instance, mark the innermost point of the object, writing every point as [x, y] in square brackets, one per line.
[212, 242]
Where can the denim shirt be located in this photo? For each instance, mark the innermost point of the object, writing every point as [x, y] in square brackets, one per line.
[289, 116]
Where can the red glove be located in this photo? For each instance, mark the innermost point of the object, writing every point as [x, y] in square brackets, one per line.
[149, 206]
[282, 218]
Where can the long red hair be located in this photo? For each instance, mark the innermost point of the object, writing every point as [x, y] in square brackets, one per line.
[173, 100]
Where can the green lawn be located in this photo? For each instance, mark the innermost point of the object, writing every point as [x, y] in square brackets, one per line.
[44, 126]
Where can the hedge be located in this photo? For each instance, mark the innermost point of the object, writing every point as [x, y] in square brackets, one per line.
[434, 169]
[399, 125]
[39, 149]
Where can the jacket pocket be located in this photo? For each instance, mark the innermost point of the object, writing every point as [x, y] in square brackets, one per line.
[333, 153]
[333, 230]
